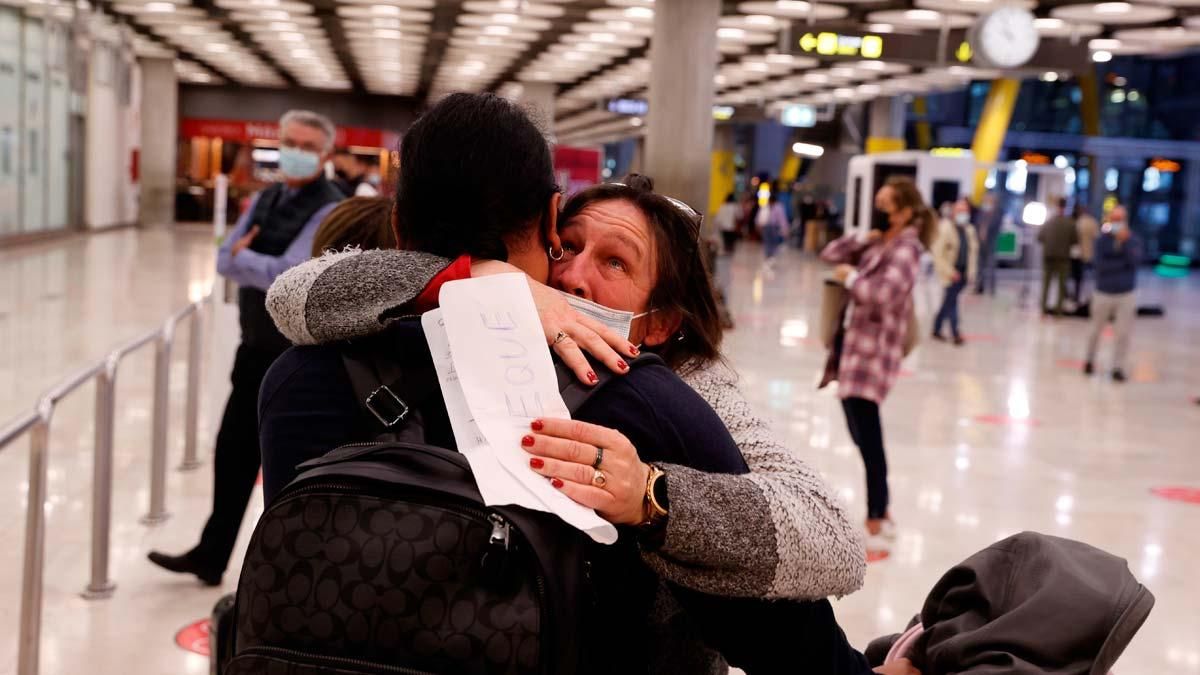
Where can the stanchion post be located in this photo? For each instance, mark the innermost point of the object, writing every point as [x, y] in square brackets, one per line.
[100, 586]
[192, 409]
[30, 635]
[158, 436]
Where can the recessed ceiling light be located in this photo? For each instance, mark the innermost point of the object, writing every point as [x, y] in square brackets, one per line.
[385, 10]
[388, 33]
[602, 37]
[291, 37]
[1048, 23]
[620, 25]
[644, 13]
[282, 26]
[159, 7]
[1113, 8]
[506, 18]
[922, 15]
[731, 33]
[275, 15]
[881, 28]
[217, 48]
[1104, 43]
[760, 20]
[497, 30]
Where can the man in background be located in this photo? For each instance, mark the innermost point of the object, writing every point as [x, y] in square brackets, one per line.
[273, 234]
[351, 175]
[987, 226]
[1118, 254]
[1083, 252]
[1057, 237]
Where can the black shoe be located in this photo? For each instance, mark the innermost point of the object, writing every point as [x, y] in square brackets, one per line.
[938, 337]
[1118, 375]
[958, 341]
[183, 564]
[1088, 368]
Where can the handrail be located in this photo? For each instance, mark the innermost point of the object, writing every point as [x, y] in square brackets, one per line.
[37, 424]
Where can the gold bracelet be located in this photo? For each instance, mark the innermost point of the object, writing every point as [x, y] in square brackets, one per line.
[653, 513]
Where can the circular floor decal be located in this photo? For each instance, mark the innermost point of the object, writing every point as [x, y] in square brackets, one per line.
[979, 337]
[1175, 493]
[876, 556]
[194, 637]
[1071, 364]
[1005, 420]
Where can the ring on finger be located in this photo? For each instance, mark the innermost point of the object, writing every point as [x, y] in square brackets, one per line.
[599, 479]
[562, 335]
[599, 457]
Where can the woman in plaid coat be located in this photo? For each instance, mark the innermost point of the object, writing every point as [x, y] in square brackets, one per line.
[879, 269]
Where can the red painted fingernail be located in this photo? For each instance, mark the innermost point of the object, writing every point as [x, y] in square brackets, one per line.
[633, 350]
[537, 462]
[622, 365]
[556, 483]
[592, 377]
[527, 441]
[537, 425]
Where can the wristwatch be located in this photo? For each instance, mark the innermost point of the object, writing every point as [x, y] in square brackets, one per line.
[655, 502]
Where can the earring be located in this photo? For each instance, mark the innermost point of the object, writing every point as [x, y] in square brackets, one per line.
[679, 336]
[561, 252]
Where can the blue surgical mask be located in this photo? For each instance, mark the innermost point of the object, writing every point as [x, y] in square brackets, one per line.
[618, 320]
[296, 163]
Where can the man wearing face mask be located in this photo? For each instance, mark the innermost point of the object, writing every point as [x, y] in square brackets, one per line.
[955, 256]
[1117, 255]
[351, 173]
[272, 235]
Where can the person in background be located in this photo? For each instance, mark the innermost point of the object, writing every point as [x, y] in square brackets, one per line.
[955, 256]
[273, 234]
[1082, 254]
[352, 172]
[727, 222]
[1057, 237]
[365, 222]
[879, 269]
[1118, 253]
[987, 225]
[774, 228]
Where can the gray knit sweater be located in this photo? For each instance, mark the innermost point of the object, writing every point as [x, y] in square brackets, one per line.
[776, 532]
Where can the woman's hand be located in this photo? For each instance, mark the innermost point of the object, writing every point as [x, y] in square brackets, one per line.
[842, 272]
[565, 450]
[898, 667]
[582, 333]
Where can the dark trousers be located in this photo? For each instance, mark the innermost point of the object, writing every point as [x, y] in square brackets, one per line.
[1078, 275]
[730, 238]
[949, 310]
[862, 417]
[765, 637]
[1055, 269]
[236, 459]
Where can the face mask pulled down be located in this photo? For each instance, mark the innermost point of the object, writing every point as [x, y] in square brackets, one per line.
[617, 320]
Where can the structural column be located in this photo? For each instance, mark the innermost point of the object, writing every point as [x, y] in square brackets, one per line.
[683, 55]
[539, 97]
[160, 118]
[885, 125]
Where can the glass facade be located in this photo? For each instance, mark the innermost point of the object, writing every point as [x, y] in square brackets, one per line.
[35, 123]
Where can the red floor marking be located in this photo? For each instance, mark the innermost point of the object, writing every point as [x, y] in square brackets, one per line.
[1070, 364]
[1108, 332]
[876, 556]
[1004, 420]
[194, 637]
[979, 337]
[1186, 495]
[906, 373]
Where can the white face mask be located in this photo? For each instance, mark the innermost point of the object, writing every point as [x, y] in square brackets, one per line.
[618, 320]
[962, 218]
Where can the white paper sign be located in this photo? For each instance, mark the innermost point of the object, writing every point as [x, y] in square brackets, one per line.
[502, 366]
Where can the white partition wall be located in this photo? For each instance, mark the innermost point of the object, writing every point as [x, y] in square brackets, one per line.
[33, 124]
[58, 127]
[110, 196]
[10, 120]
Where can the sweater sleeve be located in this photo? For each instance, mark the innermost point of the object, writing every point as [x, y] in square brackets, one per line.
[844, 249]
[777, 532]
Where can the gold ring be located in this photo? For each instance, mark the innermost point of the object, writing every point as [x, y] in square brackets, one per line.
[599, 479]
[562, 335]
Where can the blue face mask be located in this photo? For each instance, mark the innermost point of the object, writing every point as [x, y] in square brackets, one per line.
[296, 163]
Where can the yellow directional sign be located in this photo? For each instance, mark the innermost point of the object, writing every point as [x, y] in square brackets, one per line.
[964, 53]
[808, 42]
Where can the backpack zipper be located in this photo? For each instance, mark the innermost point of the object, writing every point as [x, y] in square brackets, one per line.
[316, 659]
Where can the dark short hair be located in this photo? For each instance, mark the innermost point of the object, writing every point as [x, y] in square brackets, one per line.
[1061, 202]
[364, 222]
[683, 284]
[474, 170]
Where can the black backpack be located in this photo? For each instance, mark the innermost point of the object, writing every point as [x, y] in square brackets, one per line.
[381, 557]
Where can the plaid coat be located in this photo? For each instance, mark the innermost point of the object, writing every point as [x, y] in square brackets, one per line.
[880, 302]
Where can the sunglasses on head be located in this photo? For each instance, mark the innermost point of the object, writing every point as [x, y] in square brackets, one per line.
[696, 218]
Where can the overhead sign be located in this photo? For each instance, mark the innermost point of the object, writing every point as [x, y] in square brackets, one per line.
[923, 50]
[247, 131]
[627, 106]
[799, 116]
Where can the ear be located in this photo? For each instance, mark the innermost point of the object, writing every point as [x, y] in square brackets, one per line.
[550, 234]
[662, 327]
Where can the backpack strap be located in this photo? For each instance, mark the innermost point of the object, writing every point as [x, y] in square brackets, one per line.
[388, 393]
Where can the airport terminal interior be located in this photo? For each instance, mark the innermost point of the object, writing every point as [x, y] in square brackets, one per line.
[1052, 147]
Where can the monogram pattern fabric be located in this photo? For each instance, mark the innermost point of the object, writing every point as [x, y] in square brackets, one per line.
[392, 582]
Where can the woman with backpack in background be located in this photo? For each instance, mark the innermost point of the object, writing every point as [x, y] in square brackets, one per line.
[879, 269]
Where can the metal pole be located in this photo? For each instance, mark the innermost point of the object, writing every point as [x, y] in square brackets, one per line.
[192, 409]
[100, 586]
[158, 437]
[29, 640]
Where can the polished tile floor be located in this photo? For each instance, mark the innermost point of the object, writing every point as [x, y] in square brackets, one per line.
[1001, 435]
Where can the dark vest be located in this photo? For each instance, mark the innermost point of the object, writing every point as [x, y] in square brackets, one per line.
[279, 220]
